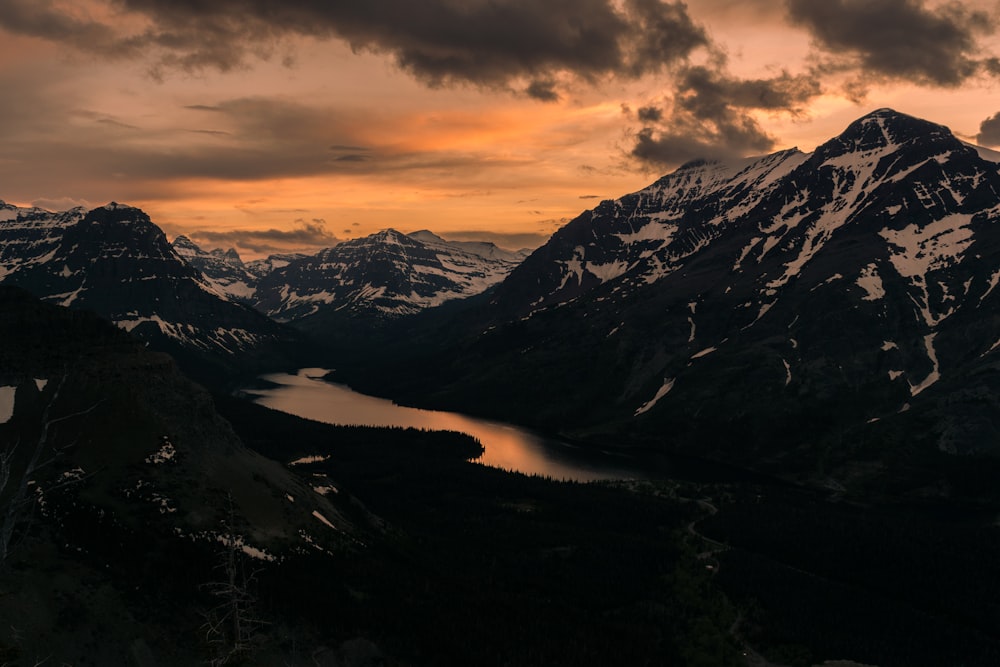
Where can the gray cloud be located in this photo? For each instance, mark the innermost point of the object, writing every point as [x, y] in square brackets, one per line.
[989, 131]
[543, 90]
[899, 39]
[304, 235]
[40, 18]
[708, 116]
[440, 41]
[650, 114]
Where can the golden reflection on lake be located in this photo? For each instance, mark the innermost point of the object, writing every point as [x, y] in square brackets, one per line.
[508, 447]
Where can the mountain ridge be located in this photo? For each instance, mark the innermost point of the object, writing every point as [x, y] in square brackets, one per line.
[787, 302]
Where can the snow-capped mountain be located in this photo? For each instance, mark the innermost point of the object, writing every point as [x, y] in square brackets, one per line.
[30, 235]
[115, 261]
[797, 302]
[388, 274]
[223, 269]
[259, 268]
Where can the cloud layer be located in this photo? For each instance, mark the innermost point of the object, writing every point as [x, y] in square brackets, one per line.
[899, 39]
[303, 235]
[483, 42]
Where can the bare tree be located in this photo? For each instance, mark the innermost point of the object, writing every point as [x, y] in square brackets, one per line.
[16, 509]
[232, 626]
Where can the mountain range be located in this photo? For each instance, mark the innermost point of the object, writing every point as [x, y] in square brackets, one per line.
[115, 261]
[213, 308]
[385, 275]
[789, 311]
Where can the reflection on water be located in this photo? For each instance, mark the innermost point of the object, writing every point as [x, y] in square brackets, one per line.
[507, 447]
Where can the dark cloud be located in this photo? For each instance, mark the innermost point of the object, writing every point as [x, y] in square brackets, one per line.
[650, 114]
[989, 131]
[484, 42]
[590, 196]
[41, 18]
[543, 90]
[899, 39]
[709, 115]
[723, 139]
[663, 33]
[304, 235]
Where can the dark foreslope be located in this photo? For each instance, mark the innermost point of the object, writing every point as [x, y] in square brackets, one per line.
[125, 487]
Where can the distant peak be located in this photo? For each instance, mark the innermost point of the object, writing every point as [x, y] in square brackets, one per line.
[389, 235]
[697, 163]
[885, 128]
[426, 235]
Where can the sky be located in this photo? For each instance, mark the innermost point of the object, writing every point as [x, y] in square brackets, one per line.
[287, 125]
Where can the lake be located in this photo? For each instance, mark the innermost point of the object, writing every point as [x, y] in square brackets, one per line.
[306, 394]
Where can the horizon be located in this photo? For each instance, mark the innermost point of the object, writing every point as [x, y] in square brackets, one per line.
[502, 241]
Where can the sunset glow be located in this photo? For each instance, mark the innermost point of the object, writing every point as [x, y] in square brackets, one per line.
[292, 129]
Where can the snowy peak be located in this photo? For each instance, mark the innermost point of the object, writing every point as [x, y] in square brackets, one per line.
[484, 249]
[886, 128]
[387, 274]
[185, 247]
[222, 269]
[641, 238]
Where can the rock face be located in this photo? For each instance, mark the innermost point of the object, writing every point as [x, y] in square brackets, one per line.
[774, 307]
[115, 261]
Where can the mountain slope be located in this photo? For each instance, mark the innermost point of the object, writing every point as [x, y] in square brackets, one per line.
[125, 489]
[781, 311]
[115, 261]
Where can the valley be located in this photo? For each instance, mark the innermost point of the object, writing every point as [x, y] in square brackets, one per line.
[791, 359]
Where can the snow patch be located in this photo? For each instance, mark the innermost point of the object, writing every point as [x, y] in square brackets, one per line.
[7, 403]
[165, 453]
[871, 283]
[317, 458]
[915, 251]
[935, 374]
[323, 519]
[668, 384]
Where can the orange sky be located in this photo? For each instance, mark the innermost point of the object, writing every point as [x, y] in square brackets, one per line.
[286, 130]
